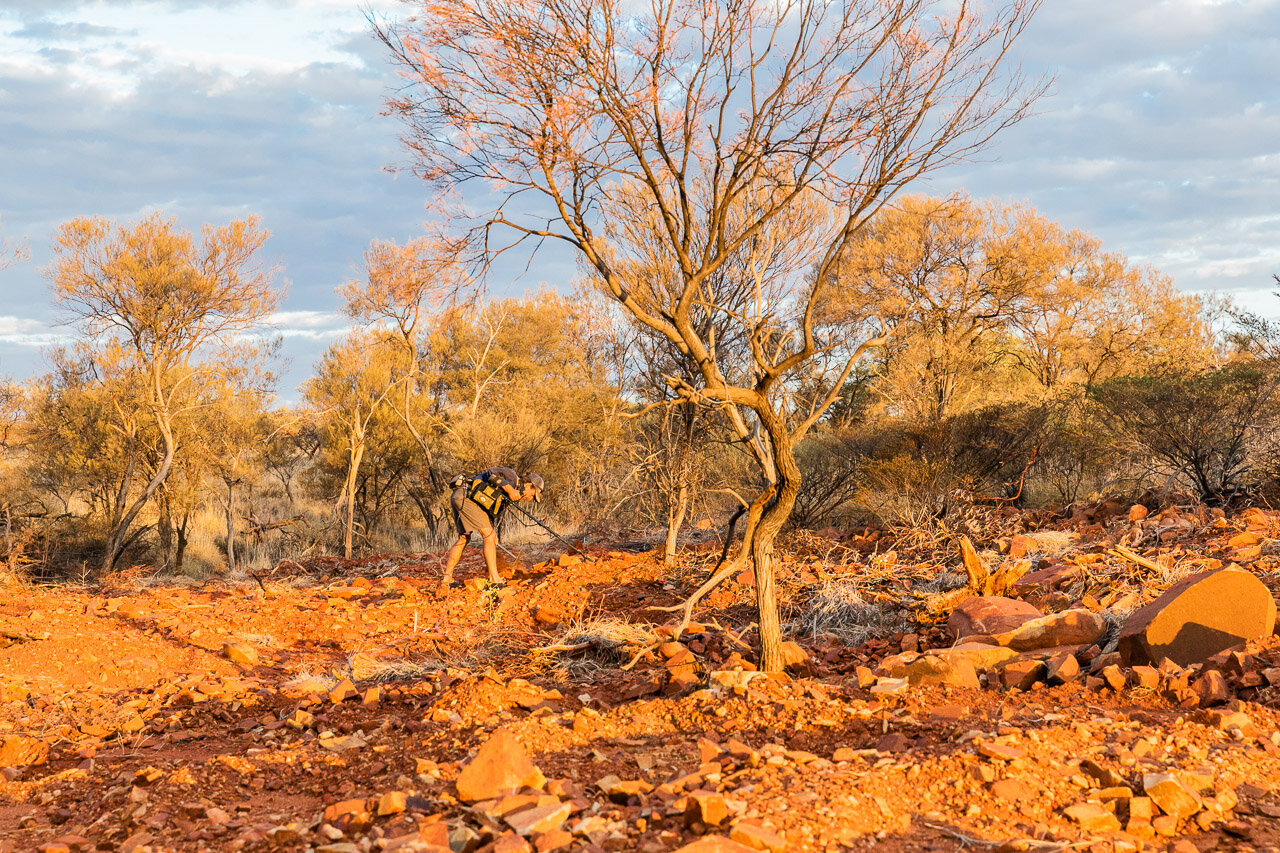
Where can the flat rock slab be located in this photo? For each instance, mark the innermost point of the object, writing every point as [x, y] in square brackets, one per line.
[989, 614]
[1198, 617]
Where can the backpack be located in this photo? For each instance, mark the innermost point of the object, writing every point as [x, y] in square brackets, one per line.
[489, 497]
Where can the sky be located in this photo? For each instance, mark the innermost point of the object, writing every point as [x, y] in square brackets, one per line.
[1160, 135]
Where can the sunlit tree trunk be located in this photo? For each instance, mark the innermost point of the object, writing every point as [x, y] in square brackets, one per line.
[675, 520]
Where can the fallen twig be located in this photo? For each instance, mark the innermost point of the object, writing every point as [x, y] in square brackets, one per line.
[1137, 559]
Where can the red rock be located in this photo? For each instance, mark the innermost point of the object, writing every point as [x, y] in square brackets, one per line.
[1061, 668]
[989, 614]
[1198, 617]
[1001, 752]
[754, 834]
[240, 653]
[793, 654]
[1137, 512]
[539, 819]
[1046, 579]
[19, 751]
[711, 807]
[1093, 818]
[392, 802]
[343, 691]
[1013, 791]
[510, 842]
[1021, 674]
[500, 767]
[1068, 628]
[556, 839]
[955, 670]
[714, 844]
[1211, 689]
[1020, 546]
[1242, 540]
[1174, 799]
[672, 650]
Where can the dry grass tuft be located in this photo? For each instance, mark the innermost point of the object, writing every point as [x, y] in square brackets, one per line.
[400, 669]
[839, 608]
[594, 642]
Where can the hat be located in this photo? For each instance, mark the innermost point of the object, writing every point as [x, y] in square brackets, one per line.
[535, 480]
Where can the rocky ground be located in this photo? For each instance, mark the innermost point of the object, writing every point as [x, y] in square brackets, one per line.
[938, 697]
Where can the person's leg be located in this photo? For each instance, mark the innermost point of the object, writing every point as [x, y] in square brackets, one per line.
[491, 555]
[455, 554]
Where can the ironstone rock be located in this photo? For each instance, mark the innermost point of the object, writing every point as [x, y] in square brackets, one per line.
[1198, 617]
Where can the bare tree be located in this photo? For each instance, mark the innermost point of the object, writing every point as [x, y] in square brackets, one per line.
[718, 121]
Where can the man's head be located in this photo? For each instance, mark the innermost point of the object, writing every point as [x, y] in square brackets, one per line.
[532, 487]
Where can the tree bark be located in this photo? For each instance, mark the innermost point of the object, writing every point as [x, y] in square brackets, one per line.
[355, 456]
[231, 527]
[675, 520]
[120, 533]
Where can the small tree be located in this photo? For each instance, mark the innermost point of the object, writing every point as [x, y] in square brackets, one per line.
[168, 301]
[1202, 426]
[716, 121]
[349, 392]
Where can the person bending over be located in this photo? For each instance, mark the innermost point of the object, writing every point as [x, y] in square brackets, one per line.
[478, 503]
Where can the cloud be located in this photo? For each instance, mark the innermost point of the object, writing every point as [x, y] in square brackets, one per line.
[1161, 136]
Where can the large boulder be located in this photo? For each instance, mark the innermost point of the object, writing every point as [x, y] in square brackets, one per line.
[1198, 617]
[989, 614]
[501, 766]
[1068, 628]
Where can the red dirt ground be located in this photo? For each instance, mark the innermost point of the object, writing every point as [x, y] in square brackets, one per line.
[159, 740]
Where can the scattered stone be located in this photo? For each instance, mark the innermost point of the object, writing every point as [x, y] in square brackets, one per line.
[1061, 668]
[556, 839]
[889, 686]
[983, 656]
[1021, 674]
[929, 669]
[1211, 689]
[343, 691]
[714, 844]
[1093, 817]
[753, 833]
[539, 819]
[990, 614]
[509, 842]
[392, 802]
[1000, 751]
[500, 767]
[1013, 790]
[1046, 579]
[793, 654]
[1198, 617]
[1114, 677]
[240, 653]
[709, 807]
[1174, 799]
[20, 751]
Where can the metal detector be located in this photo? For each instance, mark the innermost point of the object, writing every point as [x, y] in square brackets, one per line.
[572, 547]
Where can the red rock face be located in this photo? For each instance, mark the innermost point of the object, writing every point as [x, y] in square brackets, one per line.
[989, 614]
[1198, 617]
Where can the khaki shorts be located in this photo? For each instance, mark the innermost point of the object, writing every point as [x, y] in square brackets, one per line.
[468, 516]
